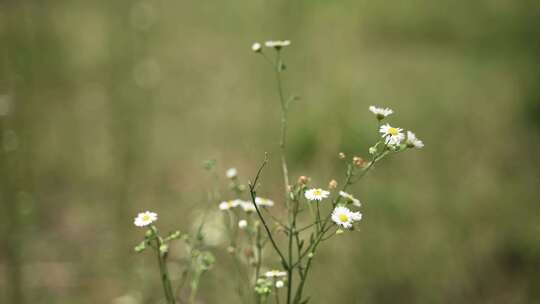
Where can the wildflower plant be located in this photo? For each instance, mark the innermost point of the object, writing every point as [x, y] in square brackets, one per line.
[296, 239]
[273, 253]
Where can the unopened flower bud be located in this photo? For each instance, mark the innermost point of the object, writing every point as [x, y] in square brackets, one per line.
[303, 180]
[149, 233]
[310, 255]
[373, 150]
[333, 184]
[163, 248]
[342, 155]
[231, 173]
[280, 284]
[256, 47]
[242, 224]
[339, 231]
[358, 161]
[248, 252]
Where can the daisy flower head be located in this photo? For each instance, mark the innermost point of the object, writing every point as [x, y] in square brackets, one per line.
[392, 136]
[277, 44]
[231, 173]
[229, 204]
[316, 194]
[280, 284]
[144, 219]
[260, 201]
[380, 113]
[350, 198]
[275, 273]
[413, 141]
[256, 47]
[344, 217]
[247, 206]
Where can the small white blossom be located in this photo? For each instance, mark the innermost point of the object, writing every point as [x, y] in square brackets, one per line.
[231, 173]
[229, 204]
[260, 201]
[280, 284]
[277, 44]
[412, 141]
[350, 198]
[381, 113]
[316, 194]
[144, 219]
[247, 206]
[391, 135]
[256, 47]
[275, 273]
[344, 217]
[242, 224]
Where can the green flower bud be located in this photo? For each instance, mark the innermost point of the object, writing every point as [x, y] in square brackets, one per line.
[163, 249]
[140, 247]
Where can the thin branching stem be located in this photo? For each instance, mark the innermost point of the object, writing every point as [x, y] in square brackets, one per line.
[253, 194]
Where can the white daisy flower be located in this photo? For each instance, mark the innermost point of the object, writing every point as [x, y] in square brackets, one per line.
[144, 219]
[256, 47]
[381, 113]
[356, 216]
[242, 224]
[280, 284]
[231, 173]
[391, 135]
[350, 198]
[229, 204]
[277, 44]
[344, 217]
[316, 194]
[412, 141]
[260, 201]
[247, 206]
[275, 273]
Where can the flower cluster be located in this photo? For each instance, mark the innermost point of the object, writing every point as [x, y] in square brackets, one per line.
[393, 136]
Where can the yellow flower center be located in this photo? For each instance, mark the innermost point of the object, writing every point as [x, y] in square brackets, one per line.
[343, 218]
[317, 192]
[146, 217]
[392, 131]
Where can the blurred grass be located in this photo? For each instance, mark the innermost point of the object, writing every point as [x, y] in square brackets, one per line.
[115, 104]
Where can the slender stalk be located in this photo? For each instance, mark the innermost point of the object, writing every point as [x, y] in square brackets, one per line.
[164, 274]
[284, 168]
[252, 193]
[277, 295]
[284, 112]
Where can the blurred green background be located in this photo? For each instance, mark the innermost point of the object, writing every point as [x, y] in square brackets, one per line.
[110, 107]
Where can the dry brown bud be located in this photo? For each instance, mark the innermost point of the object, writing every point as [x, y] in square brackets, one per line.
[303, 180]
[358, 161]
[248, 252]
[332, 184]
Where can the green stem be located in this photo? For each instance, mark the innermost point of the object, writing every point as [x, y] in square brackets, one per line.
[253, 193]
[164, 273]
